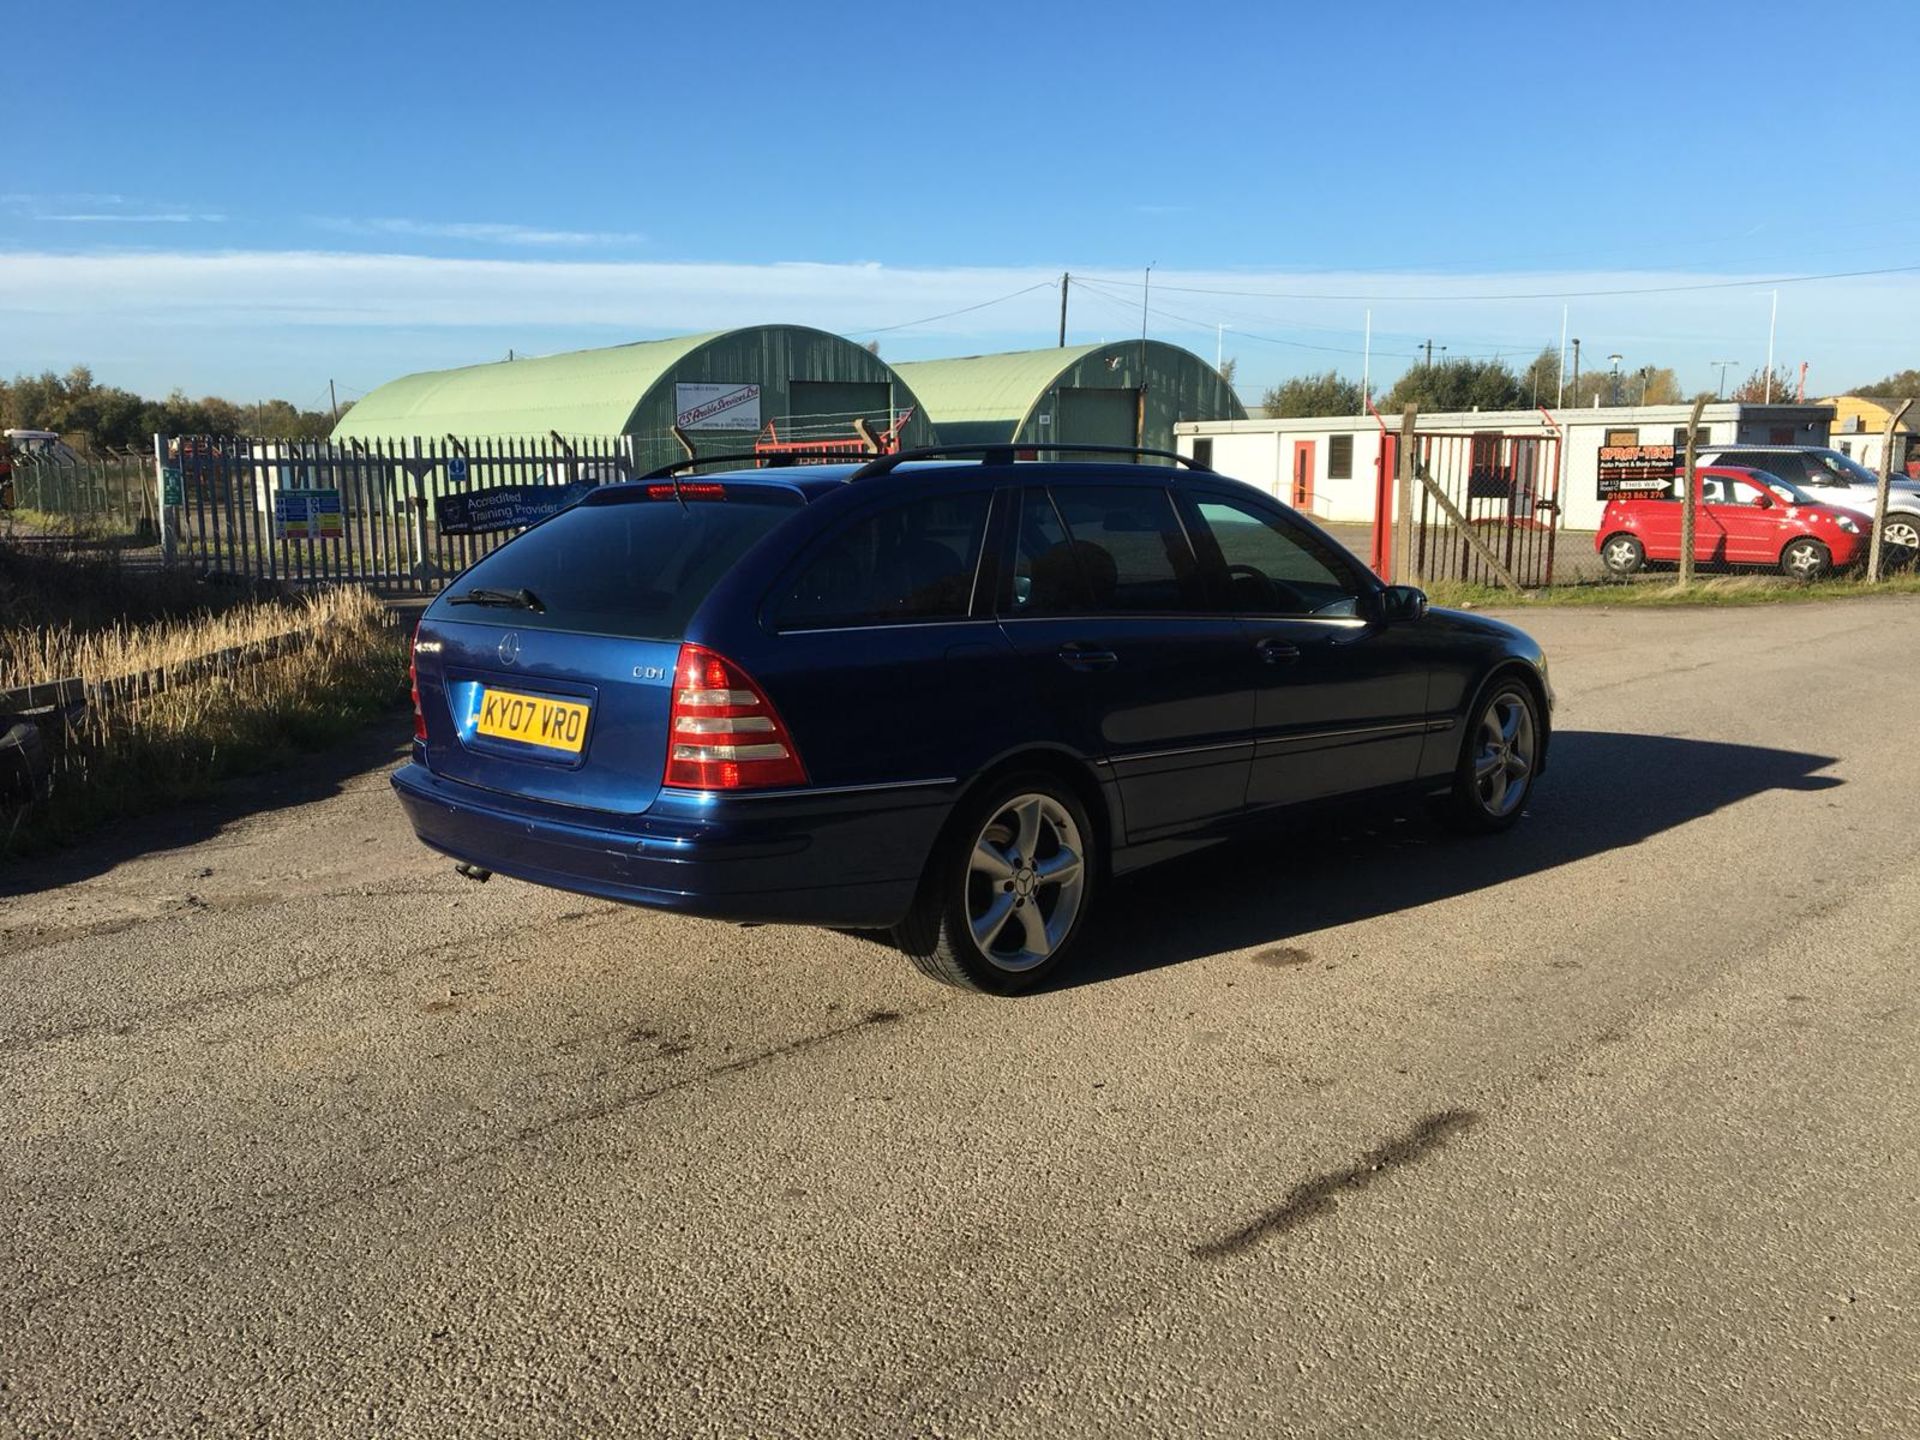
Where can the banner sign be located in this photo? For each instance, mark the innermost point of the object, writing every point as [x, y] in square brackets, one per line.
[504, 507]
[1637, 469]
[307, 514]
[716, 407]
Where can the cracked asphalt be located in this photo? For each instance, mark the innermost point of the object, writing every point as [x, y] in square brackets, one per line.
[1605, 1127]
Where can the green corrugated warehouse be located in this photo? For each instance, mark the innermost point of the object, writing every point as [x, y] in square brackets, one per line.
[725, 388]
[1128, 392]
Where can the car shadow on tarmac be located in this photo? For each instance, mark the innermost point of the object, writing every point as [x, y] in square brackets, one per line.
[382, 743]
[1601, 792]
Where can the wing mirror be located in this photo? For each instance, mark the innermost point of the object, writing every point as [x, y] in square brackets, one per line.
[1765, 502]
[1402, 602]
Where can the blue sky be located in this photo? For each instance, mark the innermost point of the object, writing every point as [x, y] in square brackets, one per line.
[250, 200]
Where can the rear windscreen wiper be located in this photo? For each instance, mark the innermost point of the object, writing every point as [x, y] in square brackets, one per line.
[521, 599]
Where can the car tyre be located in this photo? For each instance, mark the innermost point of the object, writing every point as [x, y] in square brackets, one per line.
[1005, 897]
[1805, 559]
[1900, 540]
[1623, 555]
[1499, 759]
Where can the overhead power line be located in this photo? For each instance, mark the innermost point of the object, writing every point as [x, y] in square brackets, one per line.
[963, 310]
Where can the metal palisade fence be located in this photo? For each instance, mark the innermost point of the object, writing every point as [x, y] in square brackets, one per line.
[406, 514]
[69, 493]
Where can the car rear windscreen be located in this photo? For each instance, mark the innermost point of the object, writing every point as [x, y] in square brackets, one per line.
[637, 568]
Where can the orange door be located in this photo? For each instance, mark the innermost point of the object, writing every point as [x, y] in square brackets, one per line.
[1303, 474]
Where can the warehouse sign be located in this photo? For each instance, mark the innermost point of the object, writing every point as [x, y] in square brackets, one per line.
[1636, 469]
[716, 407]
[503, 507]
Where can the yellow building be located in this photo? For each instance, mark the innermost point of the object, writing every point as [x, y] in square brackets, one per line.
[1860, 425]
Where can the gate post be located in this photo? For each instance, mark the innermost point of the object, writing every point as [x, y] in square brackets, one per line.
[1403, 502]
[417, 502]
[162, 513]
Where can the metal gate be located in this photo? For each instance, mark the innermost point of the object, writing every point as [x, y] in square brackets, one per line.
[1492, 487]
[371, 512]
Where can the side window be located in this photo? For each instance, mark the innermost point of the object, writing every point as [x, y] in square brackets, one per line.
[1275, 569]
[912, 562]
[1743, 492]
[1339, 457]
[1787, 465]
[1104, 550]
[1048, 576]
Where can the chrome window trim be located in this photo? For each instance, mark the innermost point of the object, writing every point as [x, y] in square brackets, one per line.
[890, 625]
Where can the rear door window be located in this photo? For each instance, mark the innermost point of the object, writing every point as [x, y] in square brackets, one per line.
[1108, 550]
[905, 564]
[622, 564]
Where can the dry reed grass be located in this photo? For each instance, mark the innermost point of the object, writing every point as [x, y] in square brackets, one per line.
[126, 753]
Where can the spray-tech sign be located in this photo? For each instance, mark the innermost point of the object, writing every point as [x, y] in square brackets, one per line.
[716, 407]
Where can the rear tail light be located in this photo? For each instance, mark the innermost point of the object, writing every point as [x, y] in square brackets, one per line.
[724, 734]
[413, 685]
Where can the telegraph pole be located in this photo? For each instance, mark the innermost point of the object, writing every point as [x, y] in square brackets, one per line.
[333, 400]
[1065, 279]
[1720, 391]
[1576, 370]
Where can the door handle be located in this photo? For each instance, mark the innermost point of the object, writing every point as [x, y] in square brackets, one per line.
[1087, 657]
[1278, 652]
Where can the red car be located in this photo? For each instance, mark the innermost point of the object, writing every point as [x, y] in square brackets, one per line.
[1744, 517]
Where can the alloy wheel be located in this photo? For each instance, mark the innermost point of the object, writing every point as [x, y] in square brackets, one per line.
[1504, 753]
[1026, 878]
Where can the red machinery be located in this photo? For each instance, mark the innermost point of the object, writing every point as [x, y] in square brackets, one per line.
[864, 443]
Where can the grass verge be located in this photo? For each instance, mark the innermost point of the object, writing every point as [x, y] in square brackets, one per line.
[131, 755]
[1662, 592]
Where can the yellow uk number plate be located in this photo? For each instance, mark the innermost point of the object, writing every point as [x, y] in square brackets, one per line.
[534, 719]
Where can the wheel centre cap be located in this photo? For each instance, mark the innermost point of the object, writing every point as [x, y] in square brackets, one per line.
[1023, 881]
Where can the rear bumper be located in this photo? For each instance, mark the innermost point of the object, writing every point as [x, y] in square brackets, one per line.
[849, 858]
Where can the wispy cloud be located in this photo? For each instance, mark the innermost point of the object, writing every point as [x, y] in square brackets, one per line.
[155, 217]
[486, 232]
[95, 209]
[405, 312]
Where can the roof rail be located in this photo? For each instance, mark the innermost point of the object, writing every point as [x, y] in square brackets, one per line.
[1006, 452]
[692, 462]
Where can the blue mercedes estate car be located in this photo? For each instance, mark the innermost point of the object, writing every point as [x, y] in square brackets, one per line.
[948, 695]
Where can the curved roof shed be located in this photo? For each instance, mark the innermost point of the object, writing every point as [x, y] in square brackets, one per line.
[724, 387]
[1127, 392]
